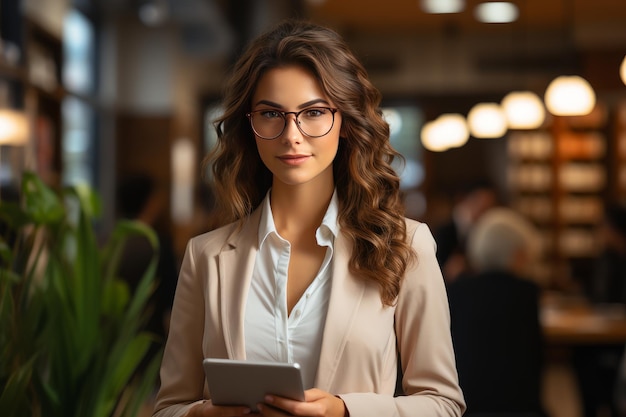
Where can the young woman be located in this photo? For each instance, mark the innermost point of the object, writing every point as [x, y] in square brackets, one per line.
[317, 264]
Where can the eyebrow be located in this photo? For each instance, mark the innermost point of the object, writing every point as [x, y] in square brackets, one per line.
[301, 106]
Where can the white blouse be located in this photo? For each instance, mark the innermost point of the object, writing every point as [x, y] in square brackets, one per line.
[270, 333]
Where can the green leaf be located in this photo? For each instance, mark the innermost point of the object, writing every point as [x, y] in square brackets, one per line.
[61, 302]
[122, 364]
[141, 388]
[14, 215]
[40, 201]
[115, 298]
[13, 400]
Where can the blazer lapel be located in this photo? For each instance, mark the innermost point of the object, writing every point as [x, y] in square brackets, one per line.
[236, 264]
[345, 298]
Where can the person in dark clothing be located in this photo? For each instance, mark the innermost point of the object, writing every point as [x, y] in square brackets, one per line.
[608, 283]
[597, 366]
[470, 203]
[495, 323]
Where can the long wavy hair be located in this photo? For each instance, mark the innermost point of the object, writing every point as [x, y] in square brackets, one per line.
[371, 211]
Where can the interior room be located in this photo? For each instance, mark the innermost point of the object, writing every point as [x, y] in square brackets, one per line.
[97, 92]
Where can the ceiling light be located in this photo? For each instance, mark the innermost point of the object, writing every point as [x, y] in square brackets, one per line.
[447, 131]
[486, 120]
[570, 96]
[523, 110]
[453, 128]
[622, 70]
[443, 6]
[430, 139]
[14, 129]
[496, 12]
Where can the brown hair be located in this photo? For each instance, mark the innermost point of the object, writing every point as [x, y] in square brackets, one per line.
[371, 212]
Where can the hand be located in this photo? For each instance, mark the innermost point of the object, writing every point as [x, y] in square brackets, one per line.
[317, 403]
[207, 409]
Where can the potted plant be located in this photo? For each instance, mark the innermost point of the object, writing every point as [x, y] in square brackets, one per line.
[71, 330]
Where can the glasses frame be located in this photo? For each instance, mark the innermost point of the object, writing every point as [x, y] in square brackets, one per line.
[284, 114]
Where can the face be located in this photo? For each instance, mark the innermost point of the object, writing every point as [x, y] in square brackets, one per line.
[293, 157]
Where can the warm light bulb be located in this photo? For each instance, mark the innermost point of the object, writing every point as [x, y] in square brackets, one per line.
[443, 6]
[447, 131]
[523, 110]
[452, 127]
[487, 120]
[622, 70]
[14, 129]
[496, 12]
[430, 139]
[570, 96]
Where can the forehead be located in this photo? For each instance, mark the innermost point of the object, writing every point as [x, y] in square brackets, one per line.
[288, 86]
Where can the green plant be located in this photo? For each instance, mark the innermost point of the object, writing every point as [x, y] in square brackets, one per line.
[71, 331]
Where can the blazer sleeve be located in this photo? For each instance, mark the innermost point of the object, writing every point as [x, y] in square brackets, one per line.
[182, 377]
[422, 320]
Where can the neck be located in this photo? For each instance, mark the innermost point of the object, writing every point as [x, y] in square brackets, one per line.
[299, 208]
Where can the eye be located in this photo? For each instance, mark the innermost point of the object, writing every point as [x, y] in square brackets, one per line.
[315, 112]
[270, 114]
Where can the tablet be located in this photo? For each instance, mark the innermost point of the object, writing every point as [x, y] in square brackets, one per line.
[235, 382]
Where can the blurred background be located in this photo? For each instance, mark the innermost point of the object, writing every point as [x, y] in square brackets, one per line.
[101, 91]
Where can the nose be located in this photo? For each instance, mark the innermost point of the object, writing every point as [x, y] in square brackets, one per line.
[291, 132]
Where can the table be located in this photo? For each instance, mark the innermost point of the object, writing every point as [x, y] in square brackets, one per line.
[575, 330]
[568, 320]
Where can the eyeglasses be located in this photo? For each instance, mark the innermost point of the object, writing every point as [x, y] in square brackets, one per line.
[313, 122]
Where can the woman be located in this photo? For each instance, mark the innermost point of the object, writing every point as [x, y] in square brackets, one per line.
[318, 265]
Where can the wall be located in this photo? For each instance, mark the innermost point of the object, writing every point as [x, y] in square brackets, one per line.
[453, 62]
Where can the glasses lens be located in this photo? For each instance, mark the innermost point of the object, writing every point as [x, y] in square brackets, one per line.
[267, 124]
[316, 121]
[313, 122]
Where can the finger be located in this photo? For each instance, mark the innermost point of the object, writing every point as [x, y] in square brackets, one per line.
[314, 394]
[271, 411]
[208, 409]
[291, 407]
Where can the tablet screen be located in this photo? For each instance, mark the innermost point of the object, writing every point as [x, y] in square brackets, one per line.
[235, 382]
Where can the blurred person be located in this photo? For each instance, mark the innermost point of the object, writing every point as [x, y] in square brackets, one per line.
[597, 366]
[314, 248]
[470, 203]
[620, 387]
[608, 283]
[495, 318]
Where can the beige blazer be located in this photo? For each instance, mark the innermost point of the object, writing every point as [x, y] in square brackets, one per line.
[358, 359]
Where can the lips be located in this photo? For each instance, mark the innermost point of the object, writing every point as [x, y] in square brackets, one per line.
[294, 159]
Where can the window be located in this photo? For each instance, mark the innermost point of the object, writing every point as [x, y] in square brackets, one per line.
[405, 123]
[78, 132]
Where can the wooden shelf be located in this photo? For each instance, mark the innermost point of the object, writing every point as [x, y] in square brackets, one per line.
[35, 86]
[559, 179]
[618, 151]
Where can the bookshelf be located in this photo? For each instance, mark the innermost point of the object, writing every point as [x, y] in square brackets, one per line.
[618, 150]
[30, 76]
[558, 176]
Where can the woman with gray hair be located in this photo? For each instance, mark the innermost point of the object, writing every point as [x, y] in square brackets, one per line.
[495, 318]
[504, 240]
